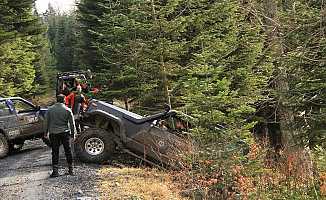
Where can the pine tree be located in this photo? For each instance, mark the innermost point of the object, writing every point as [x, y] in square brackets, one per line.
[17, 70]
[62, 37]
[42, 57]
[146, 47]
[89, 19]
[18, 29]
[225, 75]
[303, 58]
[295, 102]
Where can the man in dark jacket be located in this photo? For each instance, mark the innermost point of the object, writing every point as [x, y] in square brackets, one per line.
[60, 124]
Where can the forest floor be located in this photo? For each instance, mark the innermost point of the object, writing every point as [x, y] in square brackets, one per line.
[25, 175]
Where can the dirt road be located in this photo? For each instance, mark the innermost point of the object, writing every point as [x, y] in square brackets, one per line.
[25, 175]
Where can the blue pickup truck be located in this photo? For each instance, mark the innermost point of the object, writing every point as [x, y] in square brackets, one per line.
[20, 120]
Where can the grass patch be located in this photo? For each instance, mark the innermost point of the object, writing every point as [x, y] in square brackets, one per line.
[136, 183]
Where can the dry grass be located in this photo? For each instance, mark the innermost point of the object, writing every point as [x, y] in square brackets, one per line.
[136, 184]
[323, 184]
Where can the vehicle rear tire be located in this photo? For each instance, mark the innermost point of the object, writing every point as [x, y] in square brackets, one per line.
[94, 145]
[4, 146]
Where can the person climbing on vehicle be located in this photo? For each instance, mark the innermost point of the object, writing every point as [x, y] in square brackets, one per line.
[65, 89]
[70, 99]
[78, 107]
[79, 100]
[59, 123]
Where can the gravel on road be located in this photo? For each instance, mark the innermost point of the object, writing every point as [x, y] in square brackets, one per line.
[25, 175]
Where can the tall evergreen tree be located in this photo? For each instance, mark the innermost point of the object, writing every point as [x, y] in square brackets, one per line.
[302, 25]
[17, 70]
[296, 100]
[225, 75]
[89, 18]
[18, 29]
[62, 37]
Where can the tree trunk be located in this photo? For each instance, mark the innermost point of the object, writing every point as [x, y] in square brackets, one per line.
[284, 115]
[165, 82]
[162, 64]
[298, 161]
[126, 103]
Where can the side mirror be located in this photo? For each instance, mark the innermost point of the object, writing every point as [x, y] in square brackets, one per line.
[38, 107]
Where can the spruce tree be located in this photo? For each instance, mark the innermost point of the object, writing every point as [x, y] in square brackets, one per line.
[18, 28]
[89, 19]
[62, 37]
[304, 60]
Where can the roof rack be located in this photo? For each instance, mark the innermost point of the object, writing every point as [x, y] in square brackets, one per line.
[78, 72]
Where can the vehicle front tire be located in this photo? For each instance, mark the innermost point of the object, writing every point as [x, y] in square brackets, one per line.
[4, 146]
[94, 145]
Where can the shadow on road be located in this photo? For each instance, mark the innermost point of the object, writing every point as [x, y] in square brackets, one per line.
[25, 151]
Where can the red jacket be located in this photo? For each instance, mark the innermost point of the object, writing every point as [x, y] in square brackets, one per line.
[70, 100]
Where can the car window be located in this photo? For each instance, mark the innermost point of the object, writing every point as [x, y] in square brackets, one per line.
[21, 106]
[4, 110]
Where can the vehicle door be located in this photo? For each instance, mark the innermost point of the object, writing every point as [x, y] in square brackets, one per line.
[8, 121]
[28, 117]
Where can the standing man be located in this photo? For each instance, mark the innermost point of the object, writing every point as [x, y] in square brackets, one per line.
[60, 124]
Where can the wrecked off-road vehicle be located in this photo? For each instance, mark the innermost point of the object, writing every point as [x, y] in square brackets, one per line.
[105, 129]
[108, 129]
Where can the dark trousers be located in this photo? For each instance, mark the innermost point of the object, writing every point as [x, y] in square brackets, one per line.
[56, 141]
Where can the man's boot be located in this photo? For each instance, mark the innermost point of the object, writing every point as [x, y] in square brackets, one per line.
[71, 170]
[55, 172]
